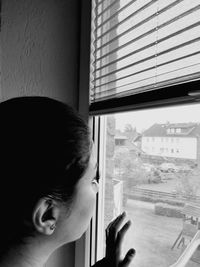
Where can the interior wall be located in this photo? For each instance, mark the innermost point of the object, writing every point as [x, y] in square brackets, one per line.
[39, 56]
[39, 43]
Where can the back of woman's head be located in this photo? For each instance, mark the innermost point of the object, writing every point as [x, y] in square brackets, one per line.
[44, 151]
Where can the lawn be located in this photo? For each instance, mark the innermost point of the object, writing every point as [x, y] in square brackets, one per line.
[169, 186]
[152, 236]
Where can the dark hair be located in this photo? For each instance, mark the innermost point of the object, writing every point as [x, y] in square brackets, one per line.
[44, 151]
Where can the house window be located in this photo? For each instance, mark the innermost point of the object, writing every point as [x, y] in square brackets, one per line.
[144, 61]
[120, 142]
[178, 130]
[161, 149]
[172, 150]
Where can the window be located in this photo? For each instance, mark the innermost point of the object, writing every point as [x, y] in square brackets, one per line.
[145, 59]
[162, 149]
[178, 130]
[142, 49]
[152, 187]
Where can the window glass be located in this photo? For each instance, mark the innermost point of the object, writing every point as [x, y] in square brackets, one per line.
[158, 186]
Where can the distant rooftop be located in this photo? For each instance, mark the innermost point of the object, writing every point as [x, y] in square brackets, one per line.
[173, 129]
[121, 137]
[181, 125]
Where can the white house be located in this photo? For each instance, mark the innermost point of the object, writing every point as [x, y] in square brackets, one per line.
[178, 140]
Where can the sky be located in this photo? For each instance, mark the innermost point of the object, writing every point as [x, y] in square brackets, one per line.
[143, 119]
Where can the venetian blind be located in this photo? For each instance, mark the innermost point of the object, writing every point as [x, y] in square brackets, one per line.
[143, 45]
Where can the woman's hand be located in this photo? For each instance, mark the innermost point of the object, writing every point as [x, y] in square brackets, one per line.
[114, 239]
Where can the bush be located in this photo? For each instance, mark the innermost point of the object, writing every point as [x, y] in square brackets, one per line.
[164, 209]
[155, 200]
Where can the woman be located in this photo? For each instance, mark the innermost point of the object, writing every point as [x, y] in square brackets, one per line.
[49, 183]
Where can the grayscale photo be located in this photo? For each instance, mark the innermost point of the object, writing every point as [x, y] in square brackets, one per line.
[100, 133]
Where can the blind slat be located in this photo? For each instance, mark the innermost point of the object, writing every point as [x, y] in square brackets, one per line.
[140, 36]
[114, 15]
[192, 77]
[143, 45]
[148, 58]
[134, 84]
[192, 26]
[145, 70]
[154, 15]
[118, 36]
[127, 18]
[105, 9]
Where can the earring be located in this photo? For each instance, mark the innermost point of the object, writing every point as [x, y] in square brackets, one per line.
[52, 227]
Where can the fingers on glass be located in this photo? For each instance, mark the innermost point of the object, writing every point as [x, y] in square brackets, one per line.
[113, 231]
[128, 258]
[116, 220]
[122, 232]
[115, 224]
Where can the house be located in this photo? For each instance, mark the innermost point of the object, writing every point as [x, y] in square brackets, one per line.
[120, 140]
[123, 143]
[174, 140]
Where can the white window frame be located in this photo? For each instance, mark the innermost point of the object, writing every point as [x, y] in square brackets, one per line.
[83, 249]
[86, 252]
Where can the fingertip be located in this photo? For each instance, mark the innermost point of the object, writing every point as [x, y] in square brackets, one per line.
[129, 222]
[123, 214]
[129, 256]
[127, 225]
[131, 252]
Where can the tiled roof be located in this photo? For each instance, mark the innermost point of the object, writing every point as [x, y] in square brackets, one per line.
[181, 125]
[159, 130]
[121, 137]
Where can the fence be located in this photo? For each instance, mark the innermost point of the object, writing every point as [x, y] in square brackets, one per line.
[155, 196]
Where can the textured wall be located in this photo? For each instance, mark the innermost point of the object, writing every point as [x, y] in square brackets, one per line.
[39, 56]
[39, 43]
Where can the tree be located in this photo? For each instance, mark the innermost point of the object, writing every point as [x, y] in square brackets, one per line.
[130, 131]
[188, 183]
[129, 170]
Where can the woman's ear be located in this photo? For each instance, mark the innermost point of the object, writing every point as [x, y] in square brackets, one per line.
[45, 216]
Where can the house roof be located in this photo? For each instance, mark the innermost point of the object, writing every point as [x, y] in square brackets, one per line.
[137, 137]
[181, 125]
[121, 137]
[187, 130]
